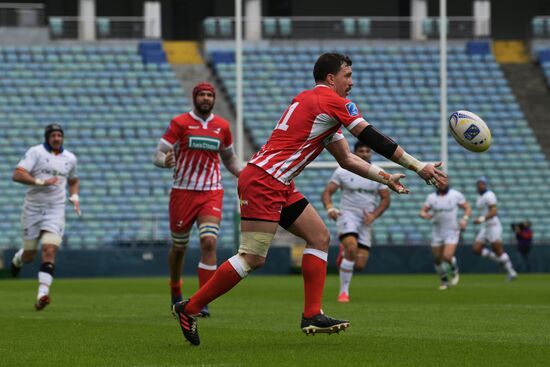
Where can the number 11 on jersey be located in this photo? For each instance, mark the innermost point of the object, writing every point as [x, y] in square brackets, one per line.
[283, 122]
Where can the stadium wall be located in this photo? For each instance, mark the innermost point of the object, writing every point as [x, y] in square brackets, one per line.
[383, 260]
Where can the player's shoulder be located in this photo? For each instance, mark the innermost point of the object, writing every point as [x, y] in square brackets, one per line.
[70, 155]
[220, 121]
[182, 118]
[431, 196]
[490, 194]
[455, 192]
[38, 148]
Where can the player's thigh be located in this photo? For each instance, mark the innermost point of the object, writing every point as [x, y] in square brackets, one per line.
[183, 209]
[310, 227]
[497, 247]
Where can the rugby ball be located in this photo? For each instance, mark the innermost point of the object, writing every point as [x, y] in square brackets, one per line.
[470, 131]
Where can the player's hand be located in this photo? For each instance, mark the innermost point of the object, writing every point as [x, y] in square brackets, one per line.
[51, 181]
[462, 223]
[434, 176]
[426, 216]
[76, 204]
[333, 213]
[479, 220]
[369, 218]
[395, 185]
[169, 161]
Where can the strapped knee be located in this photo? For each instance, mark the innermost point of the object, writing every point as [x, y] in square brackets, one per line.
[209, 229]
[49, 238]
[180, 240]
[255, 243]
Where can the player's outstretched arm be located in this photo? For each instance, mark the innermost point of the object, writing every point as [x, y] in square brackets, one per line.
[230, 161]
[349, 161]
[388, 148]
[164, 156]
[21, 175]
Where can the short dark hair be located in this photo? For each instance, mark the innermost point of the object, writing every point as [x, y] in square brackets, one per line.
[329, 63]
[358, 145]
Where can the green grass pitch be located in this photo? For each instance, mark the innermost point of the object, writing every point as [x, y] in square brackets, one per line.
[395, 321]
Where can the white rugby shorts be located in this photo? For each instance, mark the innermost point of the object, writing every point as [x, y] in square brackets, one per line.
[352, 222]
[49, 218]
[442, 237]
[491, 233]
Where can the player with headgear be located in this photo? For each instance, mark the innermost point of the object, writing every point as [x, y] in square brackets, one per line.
[191, 147]
[46, 168]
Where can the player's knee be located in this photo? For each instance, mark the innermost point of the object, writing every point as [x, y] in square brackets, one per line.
[320, 240]
[208, 244]
[255, 244]
[180, 241]
[477, 250]
[48, 252]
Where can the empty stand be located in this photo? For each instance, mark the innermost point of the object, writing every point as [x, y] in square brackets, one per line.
[397, 89]
[114, 108]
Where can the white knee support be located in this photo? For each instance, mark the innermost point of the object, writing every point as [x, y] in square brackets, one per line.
[30, 244]
[209, 229]
[255, 243]
[180, 239]
[49, 238]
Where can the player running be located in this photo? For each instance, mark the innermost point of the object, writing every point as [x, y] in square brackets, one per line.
[191, 147]
[491, 229]
[46, 168]
[358, 210]
[441, 207]
[269, 198]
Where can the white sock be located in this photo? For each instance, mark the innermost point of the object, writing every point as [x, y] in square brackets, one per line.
[17, 258]
[441, 272]
[490, 254]
[346, 272]
[45, 281]
[507, 263]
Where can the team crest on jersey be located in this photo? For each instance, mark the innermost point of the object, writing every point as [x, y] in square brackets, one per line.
[352, 109]
[204, 143]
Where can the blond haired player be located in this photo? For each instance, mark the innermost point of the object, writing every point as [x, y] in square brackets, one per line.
[46, 168]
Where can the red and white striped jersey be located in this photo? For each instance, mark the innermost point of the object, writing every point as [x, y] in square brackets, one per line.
[197, 143]
[311, 122]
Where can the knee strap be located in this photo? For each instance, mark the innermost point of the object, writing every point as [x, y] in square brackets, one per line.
[255, 243]
[180, 239]
[209, 229]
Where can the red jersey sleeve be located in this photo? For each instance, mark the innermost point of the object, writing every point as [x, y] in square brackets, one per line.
[173, 133]
[343, 110]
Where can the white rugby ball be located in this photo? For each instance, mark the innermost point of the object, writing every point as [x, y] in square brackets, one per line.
[470, 131]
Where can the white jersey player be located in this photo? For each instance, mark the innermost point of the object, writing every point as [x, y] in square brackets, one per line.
[491, 229]
[47, 168]
[441, 207]
[362, 202]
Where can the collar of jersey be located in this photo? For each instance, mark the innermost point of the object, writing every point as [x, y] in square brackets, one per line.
[49, 148]
[199, 119]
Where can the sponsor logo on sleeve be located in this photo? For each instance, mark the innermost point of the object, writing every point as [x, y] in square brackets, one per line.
[352, 109]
